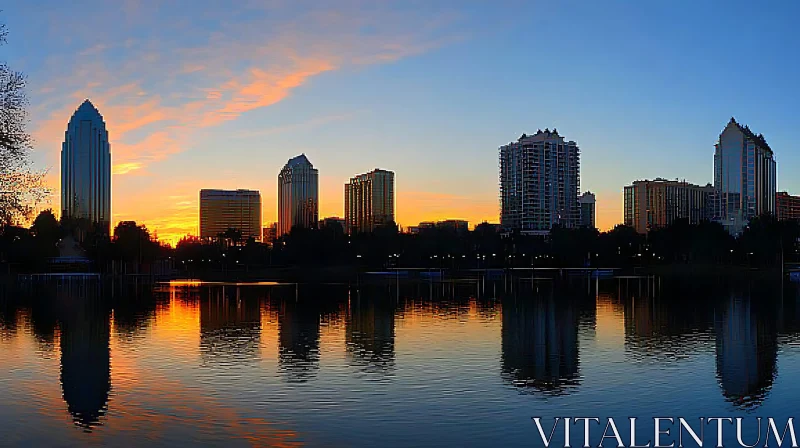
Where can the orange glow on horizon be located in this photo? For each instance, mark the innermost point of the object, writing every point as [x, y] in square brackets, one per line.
[175, 215]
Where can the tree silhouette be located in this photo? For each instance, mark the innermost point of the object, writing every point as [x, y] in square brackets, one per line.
[21, 188]
[47, 232]
[132, 242]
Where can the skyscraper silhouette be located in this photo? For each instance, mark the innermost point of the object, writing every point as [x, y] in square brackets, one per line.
[86, 168]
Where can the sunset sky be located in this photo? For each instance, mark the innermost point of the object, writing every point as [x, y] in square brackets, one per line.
[202, 94]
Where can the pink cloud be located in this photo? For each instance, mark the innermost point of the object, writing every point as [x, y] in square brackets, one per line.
[240, 67]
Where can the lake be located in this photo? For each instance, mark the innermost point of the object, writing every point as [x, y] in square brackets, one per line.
[383, 363]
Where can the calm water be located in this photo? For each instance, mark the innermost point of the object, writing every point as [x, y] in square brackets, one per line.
[426, 364]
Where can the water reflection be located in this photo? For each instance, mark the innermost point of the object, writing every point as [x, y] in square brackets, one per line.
[298, 336]
[134, 309]
[230, 326]
[747, 350]
[85, 353]
[546, 338]
[44, 324]
[539, 341]
[370, 331]
[665, 324]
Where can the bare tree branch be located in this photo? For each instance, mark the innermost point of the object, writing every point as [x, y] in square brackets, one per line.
[21, 188]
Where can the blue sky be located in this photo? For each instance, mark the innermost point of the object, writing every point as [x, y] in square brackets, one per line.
[204, 94]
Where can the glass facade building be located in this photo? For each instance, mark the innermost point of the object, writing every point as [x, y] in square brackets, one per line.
[369, 201]
[86, 168]
[298, 195]
[539, 183]
[657, 203]
[745, 179]
[221, 210]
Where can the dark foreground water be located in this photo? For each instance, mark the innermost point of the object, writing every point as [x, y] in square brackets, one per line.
[425, 364]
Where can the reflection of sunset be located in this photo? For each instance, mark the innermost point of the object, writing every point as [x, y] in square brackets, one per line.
[29, 385]
[431, 326]
[610, 321]
[149, 399]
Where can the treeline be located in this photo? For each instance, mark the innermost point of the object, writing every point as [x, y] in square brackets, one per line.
[27, 249]
[766, 242]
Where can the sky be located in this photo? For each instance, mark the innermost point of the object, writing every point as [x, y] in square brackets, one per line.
[218, 94]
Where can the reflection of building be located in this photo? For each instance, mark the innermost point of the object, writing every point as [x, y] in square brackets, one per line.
[85, 357]
[658, 203]
[86, 168]
[230, 329]
[221, 210]
[370, 333]
[298, 336]
[539, 183]
[587, 204]
[664, 329]
[540, 343]
[744, 176]
[298, 195]
[787, 207]
[747, 352]
[369, 201]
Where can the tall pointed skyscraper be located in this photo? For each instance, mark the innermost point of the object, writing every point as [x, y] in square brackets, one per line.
[86, 168]
[744, 177]
[298, 195]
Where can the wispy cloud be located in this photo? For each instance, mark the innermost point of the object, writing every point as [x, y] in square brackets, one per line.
[242, 66]
[94, 49]
[159, 93]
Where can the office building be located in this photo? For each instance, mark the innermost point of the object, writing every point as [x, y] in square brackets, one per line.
[332, 222]
[787, 207]
[86, 168]
[452, 225]
[744, 177]
[222, 210]
[422, 227]
[369, 201]
[270, 233]
[487, 227]
[456, 225]
[298, 195]
[587, 202]
[657, 203]
[539, 183]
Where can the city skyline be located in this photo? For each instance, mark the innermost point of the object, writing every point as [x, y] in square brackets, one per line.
[639, 99]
